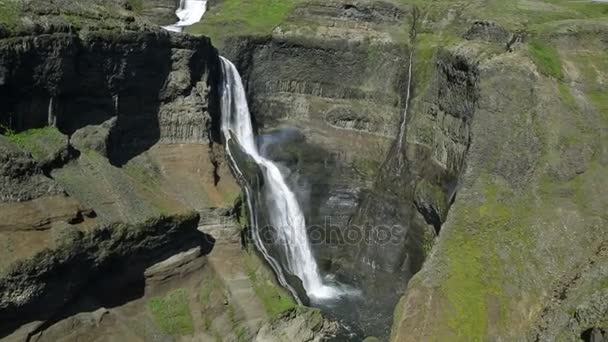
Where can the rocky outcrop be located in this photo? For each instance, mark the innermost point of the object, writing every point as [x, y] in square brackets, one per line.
[72, 81]
[160, 12]
[44, 281]
[299, 324]
[488, 31]
[22, 178]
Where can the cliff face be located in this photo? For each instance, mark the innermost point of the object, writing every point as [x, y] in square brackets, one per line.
[71, 81]
[496, 187]
[521, 253]
[109, 150]
[326, 89]
[96, 103]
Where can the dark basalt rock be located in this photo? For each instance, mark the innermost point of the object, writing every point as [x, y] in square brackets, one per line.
[488, 31]
[52, 278]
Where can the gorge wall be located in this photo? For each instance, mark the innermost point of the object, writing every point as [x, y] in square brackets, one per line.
[114, 188]
[110, 145]
[500, 132]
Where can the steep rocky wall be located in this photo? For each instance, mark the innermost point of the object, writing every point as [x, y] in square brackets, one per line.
[52, 278]
[157, 85]
[327, 90]
[332, 74]
[97, 109]
[523, 241]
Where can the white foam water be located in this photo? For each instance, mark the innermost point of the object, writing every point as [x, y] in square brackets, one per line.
[189, 13]
[285, 214]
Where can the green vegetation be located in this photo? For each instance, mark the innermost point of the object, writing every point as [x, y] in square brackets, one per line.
[275, 299]
[136, 5]
[10, 12]
[243, 215]
[546, 58]
[40, 142]
[428, 241]
[477, 274]
[367, 168]
[585, 9]
[144, 172]
[75, 20]
[172, 313]
[233, 17]
[566, 95]
[594, 69]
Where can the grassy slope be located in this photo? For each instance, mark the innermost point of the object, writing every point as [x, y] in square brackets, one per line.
[236, 17]
[172, 313]
[10, 11]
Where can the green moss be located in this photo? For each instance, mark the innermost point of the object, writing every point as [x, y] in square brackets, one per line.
[172, 313]
[10, 13]
[366, 167]
[428, 241]
[275, 299]
[476, 272]
[234, 17]
[566, 95]
[585, 9]
[75, 20]
[39, 141]
[136, 5]
[241, 334]
[546, 58]
[466, 288]
[243, 215]
[145, 173]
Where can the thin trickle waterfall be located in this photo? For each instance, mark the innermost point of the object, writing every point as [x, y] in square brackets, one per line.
[402, 126]
[405, 111]
[285, 214]
[189, 13]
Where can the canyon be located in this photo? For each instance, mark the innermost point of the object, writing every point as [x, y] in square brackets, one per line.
[448, 159]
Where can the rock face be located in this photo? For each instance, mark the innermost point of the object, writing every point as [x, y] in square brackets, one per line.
[493, 198]
[327, 90]
[502, 152]
[21, 177]
[45, 281]
[83, 82]
[96, 105]
[522, 243]
[161, 12]
[299, 324]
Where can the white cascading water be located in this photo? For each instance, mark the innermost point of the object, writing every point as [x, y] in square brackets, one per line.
[285, 214]
[404, 118]
[189, 12]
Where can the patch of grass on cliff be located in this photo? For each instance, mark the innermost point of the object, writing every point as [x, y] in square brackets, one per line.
[546, 58]
[172, 313]
[477, 274]
[10, 12]
[594, 69]
[137, 6]
[236, 17]
[275, 299]
[38, 141]
[585, 8]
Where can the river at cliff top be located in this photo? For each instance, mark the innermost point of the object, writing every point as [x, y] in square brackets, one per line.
[189, 12]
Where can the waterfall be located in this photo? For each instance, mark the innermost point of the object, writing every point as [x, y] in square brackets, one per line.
[285, 214]
[189, 12]
[405, 110]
